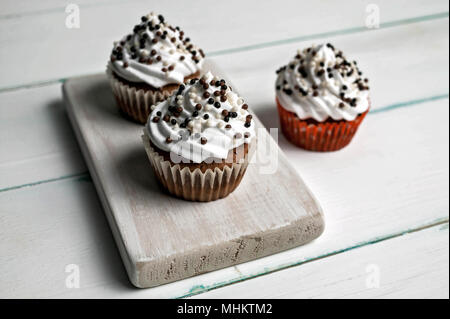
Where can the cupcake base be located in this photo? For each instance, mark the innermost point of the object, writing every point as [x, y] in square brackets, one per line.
[202, 182]
[316, 136]
[135, 99]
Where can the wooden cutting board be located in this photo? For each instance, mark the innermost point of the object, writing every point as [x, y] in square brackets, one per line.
[163, 239]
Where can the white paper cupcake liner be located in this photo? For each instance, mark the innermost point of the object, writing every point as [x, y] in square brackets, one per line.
[195, 185]
[135, 103]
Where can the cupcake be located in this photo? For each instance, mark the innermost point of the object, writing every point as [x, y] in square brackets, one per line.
[322, 98]
[149, 64]
[199, 141]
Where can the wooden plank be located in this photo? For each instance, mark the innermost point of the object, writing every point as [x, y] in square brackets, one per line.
[63, 224]
[49, 276]
[56, 53]
[36, 137]
[382, 188]
[164, 239]
[410, 266]
[70, 227]
[18, 7]
[412, 63]
[27, 140]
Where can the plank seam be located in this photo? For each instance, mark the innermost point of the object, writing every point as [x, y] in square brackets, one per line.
[80, 176]
[199, 289]
[269, 44]
[377, 111]
[327, 34]
[395, 106]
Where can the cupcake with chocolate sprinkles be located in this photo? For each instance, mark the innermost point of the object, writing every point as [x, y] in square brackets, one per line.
[322, 98]
[199, 141]
[150, 63]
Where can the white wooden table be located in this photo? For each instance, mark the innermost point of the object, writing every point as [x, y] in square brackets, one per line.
[385, 197]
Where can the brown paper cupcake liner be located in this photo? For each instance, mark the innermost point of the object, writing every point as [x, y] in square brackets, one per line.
[319, 137]
[135, 103]
[195, 185]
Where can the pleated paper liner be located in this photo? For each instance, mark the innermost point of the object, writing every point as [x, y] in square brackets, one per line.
[319, 137]
[135, 103]
[195, 185]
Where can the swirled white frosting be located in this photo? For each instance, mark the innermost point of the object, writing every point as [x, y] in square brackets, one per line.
[204, 119]
[320, 84]
[155, 53]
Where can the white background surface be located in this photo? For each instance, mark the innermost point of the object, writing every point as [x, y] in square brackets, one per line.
[385, 196]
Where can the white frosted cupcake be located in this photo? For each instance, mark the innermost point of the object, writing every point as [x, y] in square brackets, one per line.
[200, 139]
[322, 99]
[147, 65]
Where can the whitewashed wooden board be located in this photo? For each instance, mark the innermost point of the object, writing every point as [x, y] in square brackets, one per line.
[50, 213]
[372, 271]
[163, 239]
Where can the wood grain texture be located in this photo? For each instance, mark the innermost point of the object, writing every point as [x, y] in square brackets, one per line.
[164, 239]
[65, 224]
[43, 140]
[37, 142]
[54, 55]
[60, 223]
[374, 271]
[53, 224]
[412, 63]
